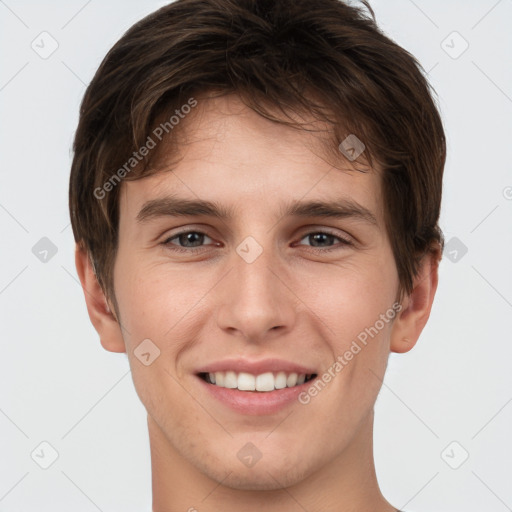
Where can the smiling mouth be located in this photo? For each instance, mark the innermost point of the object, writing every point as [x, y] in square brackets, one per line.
[264, 382]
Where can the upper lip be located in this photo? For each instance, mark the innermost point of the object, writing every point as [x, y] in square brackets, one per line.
[256, 367]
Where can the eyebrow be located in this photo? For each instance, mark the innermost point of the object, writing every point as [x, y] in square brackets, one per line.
[178, 207]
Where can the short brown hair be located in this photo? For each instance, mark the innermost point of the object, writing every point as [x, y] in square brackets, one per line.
[278, 56]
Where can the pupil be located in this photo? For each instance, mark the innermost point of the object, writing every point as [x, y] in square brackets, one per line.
[319, 237]
[189, 237]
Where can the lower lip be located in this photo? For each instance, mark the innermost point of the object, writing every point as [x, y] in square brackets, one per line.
[255, 403]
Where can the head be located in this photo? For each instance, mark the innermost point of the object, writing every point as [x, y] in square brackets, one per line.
[221, 119]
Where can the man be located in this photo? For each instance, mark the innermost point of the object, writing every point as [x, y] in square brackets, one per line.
[255, 195]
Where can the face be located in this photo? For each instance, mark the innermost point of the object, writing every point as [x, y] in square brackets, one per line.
[257, 290]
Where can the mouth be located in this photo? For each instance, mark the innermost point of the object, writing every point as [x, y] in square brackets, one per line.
[261, 383]
[257, 387]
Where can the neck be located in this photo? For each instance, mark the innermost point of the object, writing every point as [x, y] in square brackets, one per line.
[347, 483]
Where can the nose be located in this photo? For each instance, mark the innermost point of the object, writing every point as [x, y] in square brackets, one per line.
[256, 300]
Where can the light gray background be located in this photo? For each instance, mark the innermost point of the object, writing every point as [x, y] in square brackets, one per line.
[57, 383]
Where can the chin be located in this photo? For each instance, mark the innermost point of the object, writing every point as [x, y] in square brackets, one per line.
[265, 475]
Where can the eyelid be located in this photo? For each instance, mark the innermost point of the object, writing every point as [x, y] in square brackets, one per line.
[188, 228]
[176, 234]
[310, 230]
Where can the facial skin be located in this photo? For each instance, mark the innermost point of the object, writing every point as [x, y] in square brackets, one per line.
[295, 302]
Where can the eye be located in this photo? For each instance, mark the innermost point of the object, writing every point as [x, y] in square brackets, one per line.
[187, 240]
[323, 240]
[191, 241]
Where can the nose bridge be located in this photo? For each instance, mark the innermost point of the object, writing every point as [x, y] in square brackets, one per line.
[253, 271]
[256, 300]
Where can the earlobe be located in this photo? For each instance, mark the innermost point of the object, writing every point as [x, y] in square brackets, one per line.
[417, 305]
[100, 314]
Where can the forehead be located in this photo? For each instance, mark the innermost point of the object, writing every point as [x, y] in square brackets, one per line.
[225, 152]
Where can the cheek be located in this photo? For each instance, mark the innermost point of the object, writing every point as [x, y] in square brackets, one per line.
[354, 316]
[162, 305]
[349, 299]
[155, 301]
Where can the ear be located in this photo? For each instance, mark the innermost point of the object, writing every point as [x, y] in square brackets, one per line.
[416, 306]
[100, 311]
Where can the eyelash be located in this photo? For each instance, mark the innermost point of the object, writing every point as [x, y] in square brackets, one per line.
[343, 241]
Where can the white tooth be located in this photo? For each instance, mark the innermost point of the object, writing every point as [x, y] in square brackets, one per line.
[212, 377]
[265, 382]
[219, 379]
[291, 380]
[301, 378]
[246, 382]
[280, 380]
[230, 380]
